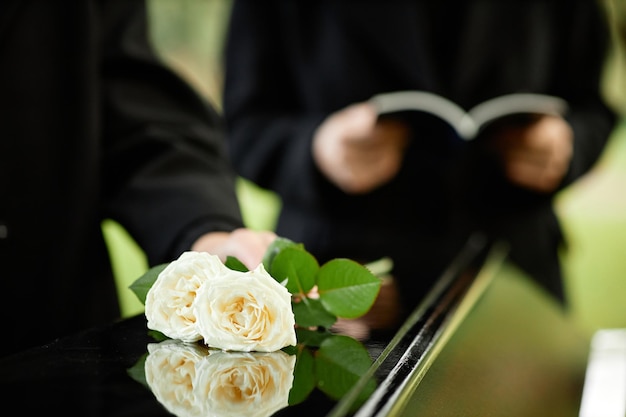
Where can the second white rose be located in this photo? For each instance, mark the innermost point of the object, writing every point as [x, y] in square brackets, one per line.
[245, 311]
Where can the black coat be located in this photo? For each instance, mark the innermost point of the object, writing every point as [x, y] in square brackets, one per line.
[93, 126]
[289, 64]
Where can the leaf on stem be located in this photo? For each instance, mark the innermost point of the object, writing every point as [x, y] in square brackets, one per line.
[346, 288]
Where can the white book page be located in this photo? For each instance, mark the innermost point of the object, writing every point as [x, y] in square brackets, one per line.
[465, 123]
[517, 103]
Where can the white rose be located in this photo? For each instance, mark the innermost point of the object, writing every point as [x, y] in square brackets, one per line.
[169, 303]
[245, 311]
[170, 370]
[235, 384]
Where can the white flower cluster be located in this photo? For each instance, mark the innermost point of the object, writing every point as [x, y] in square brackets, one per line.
[197, 297]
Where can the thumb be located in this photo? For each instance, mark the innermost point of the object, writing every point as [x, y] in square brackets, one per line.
[361, 119]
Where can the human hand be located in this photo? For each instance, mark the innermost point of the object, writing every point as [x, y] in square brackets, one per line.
[385, 314]
[358, 152]
[247, 245]
[535, 156]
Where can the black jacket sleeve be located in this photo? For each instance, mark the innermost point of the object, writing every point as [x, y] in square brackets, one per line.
[167, 177]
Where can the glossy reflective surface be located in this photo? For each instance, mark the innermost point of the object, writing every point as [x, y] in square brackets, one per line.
[82, 375]
[516, 354]
[91, 374]
[481, 343]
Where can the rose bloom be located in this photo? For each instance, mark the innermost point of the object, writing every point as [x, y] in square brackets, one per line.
[245, 311]
[170, 370]
[235, 384]
[169, 303]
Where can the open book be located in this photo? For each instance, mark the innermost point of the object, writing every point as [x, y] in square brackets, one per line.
[469, 123]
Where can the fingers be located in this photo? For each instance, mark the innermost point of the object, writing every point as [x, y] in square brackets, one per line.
[358, 152]
[358, 120]
[538, 157]
[247, 245]
[539, 177]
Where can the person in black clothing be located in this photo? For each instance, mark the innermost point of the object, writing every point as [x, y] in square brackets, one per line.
[94, 126]
[299, 76]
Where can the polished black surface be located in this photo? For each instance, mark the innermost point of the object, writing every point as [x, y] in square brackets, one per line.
[429, 326]
[517, 353]
[88, 375]
[101, 372]
[85, 374]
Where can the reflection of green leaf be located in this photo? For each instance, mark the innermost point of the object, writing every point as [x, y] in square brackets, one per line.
[235, 264]
[298, 267]
[311, 313]
[339, 364]
[347, 289]
[138, 371]
[303, 377]
[141, 286]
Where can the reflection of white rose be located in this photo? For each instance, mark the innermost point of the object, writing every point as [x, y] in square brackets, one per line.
[169, 303]
[192, 381]
[171, 373]
[245, 311]
[236, 384]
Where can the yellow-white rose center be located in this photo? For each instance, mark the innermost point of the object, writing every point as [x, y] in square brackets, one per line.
[245, 312]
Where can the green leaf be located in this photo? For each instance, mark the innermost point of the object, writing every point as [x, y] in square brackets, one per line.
[275, 248]
[142, 285]
[303, 377]
[339, 364]
[311, 313]
[290, 350]
[311, 338]
[346, 288]
[298, 267]
[235, 264]
[157, 335]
